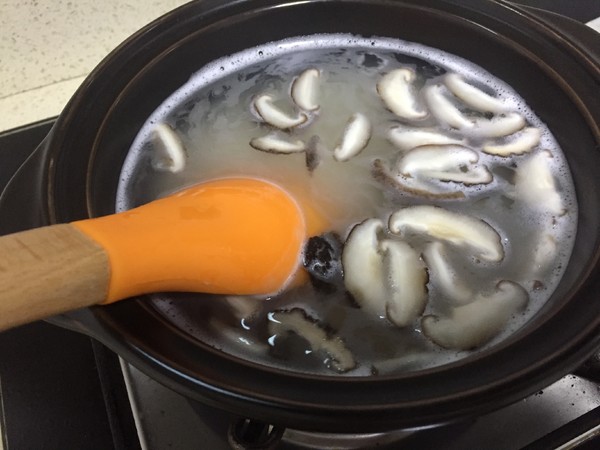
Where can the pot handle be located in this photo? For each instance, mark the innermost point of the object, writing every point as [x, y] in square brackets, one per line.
[26, 187]
[50, 270]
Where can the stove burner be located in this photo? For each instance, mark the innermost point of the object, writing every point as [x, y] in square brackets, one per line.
[248, 434]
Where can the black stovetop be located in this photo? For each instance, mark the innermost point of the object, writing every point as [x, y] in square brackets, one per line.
[62, 390]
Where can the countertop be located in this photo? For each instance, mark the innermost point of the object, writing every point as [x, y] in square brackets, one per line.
[47, 47]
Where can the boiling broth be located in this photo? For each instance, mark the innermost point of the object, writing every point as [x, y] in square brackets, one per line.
[213, 117]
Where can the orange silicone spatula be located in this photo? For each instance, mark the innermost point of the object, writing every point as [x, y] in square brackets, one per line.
[228, 236]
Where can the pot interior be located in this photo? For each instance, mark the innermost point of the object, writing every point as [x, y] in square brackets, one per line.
[137, 78]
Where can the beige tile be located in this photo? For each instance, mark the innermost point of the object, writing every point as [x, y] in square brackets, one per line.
[48, 42]
[36, 104]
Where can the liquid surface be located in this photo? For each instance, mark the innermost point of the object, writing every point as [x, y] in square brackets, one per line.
[214, 119]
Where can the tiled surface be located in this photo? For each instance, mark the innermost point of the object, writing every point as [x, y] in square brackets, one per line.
[48, 46]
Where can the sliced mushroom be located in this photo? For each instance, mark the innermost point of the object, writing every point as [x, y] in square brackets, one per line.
[412, 186]
[277, 143]
[498, 126]
[322, 257]
[443, 109]
[523, 142]
[396, 89]
[305, 90]
[405, 138]
[274, 116]
[472, 325]
[298, 322]
[443, 276]
[170, 156]
[474, 175]
[407, 281]
[455, 228]
[355, 138]
[445, 163]
[387, 278]
[364, 272]
[435, 158]
[535, 185]
[315, 150]
[472, 96]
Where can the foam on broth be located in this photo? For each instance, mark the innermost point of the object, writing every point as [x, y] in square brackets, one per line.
[213, 118]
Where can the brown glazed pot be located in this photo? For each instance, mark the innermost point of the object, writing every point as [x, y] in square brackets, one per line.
[74, 174]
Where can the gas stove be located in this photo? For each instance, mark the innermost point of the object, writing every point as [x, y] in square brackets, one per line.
[60, 389]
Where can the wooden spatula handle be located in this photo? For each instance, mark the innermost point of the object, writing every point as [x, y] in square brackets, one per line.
[48, 271]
